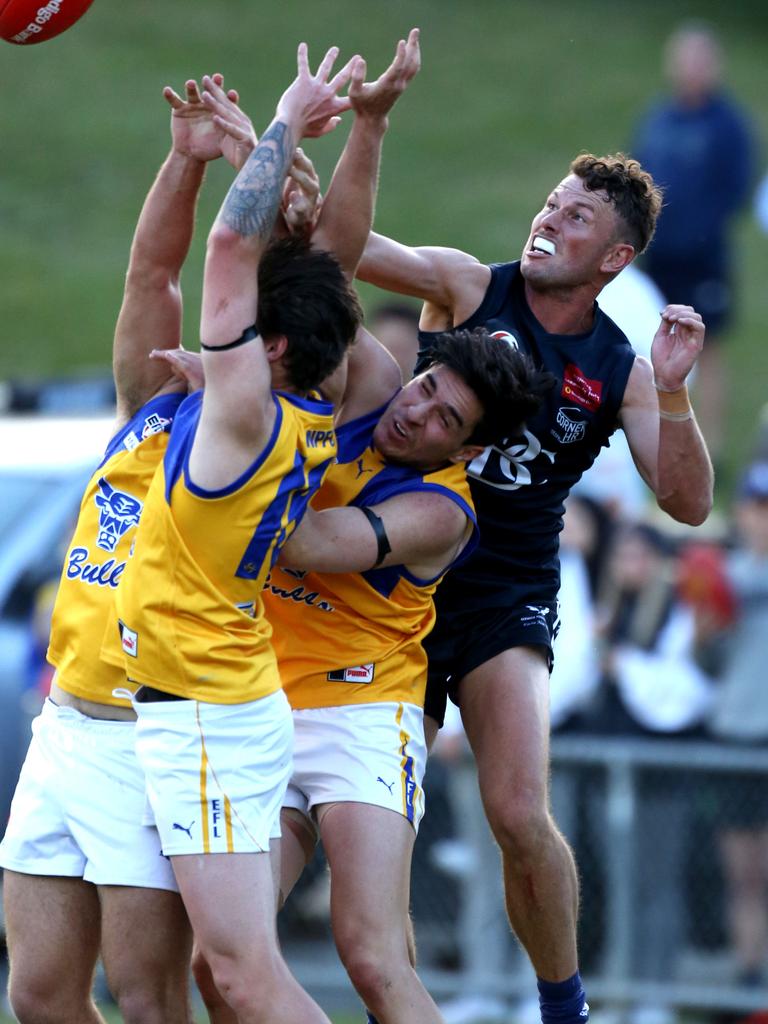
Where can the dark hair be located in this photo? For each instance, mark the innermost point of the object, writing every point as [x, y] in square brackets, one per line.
[635, 197]
[304, 295]
[508, 386]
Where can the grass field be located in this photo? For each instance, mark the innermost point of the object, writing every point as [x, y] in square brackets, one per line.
[507, 95]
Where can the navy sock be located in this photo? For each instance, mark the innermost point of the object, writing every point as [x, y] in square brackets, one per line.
[563, 1002]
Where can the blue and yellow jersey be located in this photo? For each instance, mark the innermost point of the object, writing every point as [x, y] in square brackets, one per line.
[106, 527]
[190, 607]
[356, 638]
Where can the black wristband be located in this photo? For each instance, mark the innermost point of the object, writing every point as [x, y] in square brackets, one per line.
[384, 547]
[248, 335]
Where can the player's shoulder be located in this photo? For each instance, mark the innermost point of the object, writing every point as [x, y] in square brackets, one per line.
[640, 383]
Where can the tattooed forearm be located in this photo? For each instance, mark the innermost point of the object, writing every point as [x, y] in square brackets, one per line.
[253, 200]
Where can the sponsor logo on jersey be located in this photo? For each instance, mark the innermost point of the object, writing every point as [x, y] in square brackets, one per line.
[361, 467]
[129, 639]
[568, 429]
[154, 424]
[119, 512]
[320, 438]
[510, 339]
[580, 389]
[537, 616]
[356, 674]
[509, 467]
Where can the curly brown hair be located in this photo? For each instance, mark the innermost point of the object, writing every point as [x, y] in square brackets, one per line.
[635, 196]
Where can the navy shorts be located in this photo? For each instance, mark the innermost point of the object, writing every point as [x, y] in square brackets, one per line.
[463, 640]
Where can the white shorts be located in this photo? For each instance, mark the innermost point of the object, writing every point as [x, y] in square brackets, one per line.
[215, 773]
[79, 803]
[361, 753]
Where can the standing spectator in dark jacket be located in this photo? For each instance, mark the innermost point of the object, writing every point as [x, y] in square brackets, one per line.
[697, 145]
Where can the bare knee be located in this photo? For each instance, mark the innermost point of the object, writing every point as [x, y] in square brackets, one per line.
[374, 959]
[206, 984]
[369, 975]
[38, 1002]
[251, 988]
[144, 1006]
[522, 826]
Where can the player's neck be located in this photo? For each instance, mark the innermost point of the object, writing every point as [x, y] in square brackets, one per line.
[563, 311]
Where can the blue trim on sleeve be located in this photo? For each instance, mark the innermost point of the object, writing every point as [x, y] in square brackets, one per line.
[245, 476]
[163, 407]
[308, 404]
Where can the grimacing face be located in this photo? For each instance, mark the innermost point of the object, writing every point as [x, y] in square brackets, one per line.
[570, 237]
[428, 421]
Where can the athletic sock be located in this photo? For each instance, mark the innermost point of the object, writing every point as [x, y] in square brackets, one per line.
[563, 1002]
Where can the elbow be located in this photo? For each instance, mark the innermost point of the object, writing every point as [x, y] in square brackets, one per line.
[692, 511]
[222, 239]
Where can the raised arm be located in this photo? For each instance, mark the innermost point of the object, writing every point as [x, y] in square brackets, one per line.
[347, 213]
[658, 420]
[450, 282]
[238, 410]
[151, 312]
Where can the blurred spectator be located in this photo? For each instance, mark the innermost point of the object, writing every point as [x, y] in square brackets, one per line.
[651, 687]
[697, 143]
[633, 302]
[396, 326]
[740, 715]
[575, 675]
[761, 204]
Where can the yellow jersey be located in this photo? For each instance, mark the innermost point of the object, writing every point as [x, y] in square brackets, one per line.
[96, 558]
[356, 638]
[190, 609]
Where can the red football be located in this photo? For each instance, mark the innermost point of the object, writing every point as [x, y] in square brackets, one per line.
[33, 21]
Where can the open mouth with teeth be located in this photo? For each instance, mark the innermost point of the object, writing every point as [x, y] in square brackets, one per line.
[544, 245]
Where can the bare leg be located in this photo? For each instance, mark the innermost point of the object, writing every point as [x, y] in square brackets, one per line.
[288, 857]
[504, 705]
[745, 860]
[369, 852]
[231, 904]
[146, 948]
[53, 931]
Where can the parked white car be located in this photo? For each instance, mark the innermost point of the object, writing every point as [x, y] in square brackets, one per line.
[45, 463]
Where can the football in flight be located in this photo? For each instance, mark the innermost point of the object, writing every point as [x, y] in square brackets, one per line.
[33, 21]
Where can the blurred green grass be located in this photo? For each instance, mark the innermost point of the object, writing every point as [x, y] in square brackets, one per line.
[508, 93]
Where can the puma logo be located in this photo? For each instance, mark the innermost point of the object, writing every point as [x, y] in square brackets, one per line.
[389, 785]
[182, 829]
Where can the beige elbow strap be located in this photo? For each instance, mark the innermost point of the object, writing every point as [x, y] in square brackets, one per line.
[674, 406]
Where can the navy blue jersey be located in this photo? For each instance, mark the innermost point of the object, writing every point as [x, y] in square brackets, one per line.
[518, 488]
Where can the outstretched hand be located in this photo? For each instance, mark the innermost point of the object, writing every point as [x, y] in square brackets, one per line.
[376, 99]
[195, 130]
[312, 101]
[676, 346]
